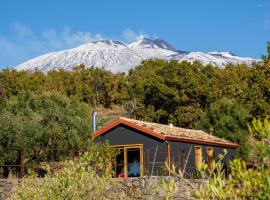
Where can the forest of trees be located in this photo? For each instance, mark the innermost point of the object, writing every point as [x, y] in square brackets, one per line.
[221, 101]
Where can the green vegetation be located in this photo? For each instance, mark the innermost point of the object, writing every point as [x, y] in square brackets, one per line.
[49, 119]
[229, 120]
[77, 180]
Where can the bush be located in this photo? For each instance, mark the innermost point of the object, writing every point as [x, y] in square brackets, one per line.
[45, 120]
[79, 179]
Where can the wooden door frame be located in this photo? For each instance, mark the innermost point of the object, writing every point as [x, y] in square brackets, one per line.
[125, 148]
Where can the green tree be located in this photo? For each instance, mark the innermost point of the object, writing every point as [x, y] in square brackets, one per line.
[1, 91]
[47, 120]
[258, 93]
[227, 119]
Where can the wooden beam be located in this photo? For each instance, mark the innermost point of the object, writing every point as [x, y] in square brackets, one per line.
[141, 161]
[125, 163]
[169, 156]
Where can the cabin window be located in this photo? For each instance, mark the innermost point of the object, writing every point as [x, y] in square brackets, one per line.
[210, 158]
[129, 161]
[119, 163]
[198, 157]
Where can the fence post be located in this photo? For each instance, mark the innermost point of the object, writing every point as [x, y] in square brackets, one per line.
[22, 167]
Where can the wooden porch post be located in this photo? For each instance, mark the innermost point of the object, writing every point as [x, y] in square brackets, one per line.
[169, 156]
[125, 163]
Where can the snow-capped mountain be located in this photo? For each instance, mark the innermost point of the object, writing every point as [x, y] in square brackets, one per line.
[144, 43]
[120, 57]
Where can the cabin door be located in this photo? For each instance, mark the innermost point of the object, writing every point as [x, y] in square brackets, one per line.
[129, 161]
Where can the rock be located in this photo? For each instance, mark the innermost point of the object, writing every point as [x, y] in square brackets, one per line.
[8, 187]
[127, 182]
[133, 188]
[2, 183]
[143, 183]
[136, 183]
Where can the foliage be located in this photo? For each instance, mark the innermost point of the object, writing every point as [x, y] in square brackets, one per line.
[1, 91]
[259, 87]
[261, 131]
[243, 183]
[170, 188]
[227, 119]
[47, 120]
[79, 179]
[98, 157]
[94, 86]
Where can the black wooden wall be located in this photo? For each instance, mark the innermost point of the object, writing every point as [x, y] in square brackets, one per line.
[180, 150]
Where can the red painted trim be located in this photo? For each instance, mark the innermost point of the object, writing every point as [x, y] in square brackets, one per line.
[158, 135]
[105, 129]
[130, 124]
[171, 138]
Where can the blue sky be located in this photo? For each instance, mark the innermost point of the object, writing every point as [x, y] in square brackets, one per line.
[30, 28]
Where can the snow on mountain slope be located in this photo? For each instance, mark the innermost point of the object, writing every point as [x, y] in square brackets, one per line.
[220, 59]
[109, 54]
[144, 43]
[119, 57]
[148, 49]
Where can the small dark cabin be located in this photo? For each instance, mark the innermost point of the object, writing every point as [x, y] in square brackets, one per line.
[144, 148]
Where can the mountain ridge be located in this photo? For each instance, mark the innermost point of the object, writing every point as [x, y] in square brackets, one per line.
[116, 56]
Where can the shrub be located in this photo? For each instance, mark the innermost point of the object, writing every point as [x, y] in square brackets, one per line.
[79, 179]
[47, 120]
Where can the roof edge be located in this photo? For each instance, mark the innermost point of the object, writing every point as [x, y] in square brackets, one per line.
[217, 144]
[130, 124]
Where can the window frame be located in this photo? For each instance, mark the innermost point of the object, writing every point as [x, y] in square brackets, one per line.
[125, 148]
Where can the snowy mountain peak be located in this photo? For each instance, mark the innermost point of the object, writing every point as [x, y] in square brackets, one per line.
[118, 57]
[103, 44]
[109, 42]
[222, 53]
[163, 44]
[153, 44]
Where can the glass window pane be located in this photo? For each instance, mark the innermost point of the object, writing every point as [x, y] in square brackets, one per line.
[133, 157]
[120, 171]
[120, 157]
